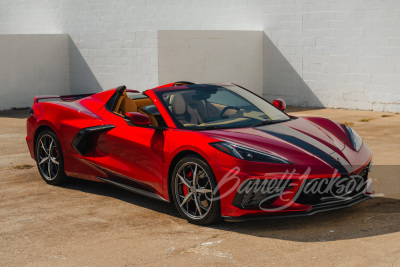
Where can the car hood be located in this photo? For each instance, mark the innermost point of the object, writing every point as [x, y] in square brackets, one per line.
[294, 139]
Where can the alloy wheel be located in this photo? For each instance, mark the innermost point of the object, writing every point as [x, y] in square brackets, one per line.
[193, 190]
[48, 157]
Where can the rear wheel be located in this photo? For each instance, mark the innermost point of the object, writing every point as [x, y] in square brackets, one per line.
[49, 158]
[194, 191]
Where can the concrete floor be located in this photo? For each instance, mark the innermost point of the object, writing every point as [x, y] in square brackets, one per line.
[92, 224]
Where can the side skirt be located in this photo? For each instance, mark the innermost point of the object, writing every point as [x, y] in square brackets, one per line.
[134, 189]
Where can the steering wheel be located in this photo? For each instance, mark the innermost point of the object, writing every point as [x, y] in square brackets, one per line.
[226, 108]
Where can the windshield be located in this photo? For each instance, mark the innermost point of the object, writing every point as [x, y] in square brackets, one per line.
[213, 106]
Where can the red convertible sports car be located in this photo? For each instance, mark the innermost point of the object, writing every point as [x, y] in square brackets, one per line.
[214, 150]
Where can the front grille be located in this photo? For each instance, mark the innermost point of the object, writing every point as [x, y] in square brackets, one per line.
[317, 191]
[259, 193]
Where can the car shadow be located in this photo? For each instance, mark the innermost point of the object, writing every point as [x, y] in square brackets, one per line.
[374, 217]
[109, 190]
[378, 216]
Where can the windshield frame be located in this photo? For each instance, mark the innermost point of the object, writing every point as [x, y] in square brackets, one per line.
[160, 91]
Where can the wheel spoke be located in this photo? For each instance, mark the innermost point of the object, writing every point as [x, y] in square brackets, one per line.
[203, 190]
[50, 146]
[186, 198]
[198, 205]
[195, 176]
[49, 168]
[44, 149]
[184, 181]
[54, 160]
[43, 160]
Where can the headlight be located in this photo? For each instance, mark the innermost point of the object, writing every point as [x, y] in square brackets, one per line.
[355, 139]
[247, 153]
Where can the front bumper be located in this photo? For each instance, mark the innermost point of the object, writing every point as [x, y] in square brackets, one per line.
[332, 204]
[293, 198]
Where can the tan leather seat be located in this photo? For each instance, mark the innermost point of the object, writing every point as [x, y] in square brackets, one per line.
[127, 105]
[184, 113]
[118, 105]
[203, 107]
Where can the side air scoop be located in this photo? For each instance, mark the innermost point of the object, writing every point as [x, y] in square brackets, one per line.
[81, 140]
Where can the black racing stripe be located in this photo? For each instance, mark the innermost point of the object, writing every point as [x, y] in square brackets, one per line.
[310, 148]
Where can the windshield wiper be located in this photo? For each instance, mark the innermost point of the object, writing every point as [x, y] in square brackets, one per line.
[215, 127]
[267, 122]
[208, 128]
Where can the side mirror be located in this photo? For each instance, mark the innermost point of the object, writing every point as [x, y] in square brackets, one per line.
[279, 103]
[138, 118]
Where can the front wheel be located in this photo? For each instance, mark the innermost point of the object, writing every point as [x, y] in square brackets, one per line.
[49, 158]
[195, 192]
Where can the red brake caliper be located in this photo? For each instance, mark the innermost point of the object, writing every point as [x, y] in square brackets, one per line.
[185, 188]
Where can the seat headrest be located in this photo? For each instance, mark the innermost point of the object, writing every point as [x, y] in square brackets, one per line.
[178, 104]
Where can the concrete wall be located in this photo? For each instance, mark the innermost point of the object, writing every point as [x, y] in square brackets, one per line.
[212, 56]
[333, 53]
[340, 54]
[32, 65]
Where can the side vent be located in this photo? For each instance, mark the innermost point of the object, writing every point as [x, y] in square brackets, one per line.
[84, 136]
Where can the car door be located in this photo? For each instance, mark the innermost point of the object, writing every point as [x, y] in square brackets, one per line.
[131, 154]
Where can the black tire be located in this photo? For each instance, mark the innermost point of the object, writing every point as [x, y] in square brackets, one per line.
[196, 196]
[47, 159]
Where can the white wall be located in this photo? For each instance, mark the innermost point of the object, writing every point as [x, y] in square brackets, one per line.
[32, 65]
[333, 53]
[212, 56]
[340, 54]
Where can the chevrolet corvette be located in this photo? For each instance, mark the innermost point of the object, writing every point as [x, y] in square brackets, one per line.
[213, 150]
